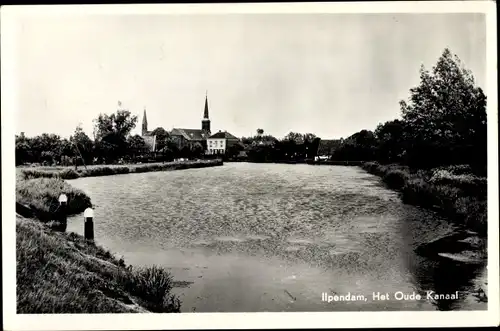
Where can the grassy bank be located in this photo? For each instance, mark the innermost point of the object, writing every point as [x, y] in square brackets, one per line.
[63, 273]
[107, 170]
[455, 192]
[41, 196]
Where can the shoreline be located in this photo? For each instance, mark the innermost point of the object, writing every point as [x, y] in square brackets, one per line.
[109, 170]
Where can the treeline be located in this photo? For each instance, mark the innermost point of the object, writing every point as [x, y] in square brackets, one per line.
[442, 123]
[112, 143]
[294, 147]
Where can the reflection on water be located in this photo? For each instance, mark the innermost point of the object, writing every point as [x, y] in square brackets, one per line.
[273, 237]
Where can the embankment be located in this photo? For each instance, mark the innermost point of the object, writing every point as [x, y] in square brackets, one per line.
[105, 170]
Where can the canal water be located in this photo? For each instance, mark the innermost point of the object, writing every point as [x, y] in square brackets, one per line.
[275, 237]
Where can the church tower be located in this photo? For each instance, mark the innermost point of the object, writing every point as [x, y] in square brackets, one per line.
[144, 124]
[205, 123]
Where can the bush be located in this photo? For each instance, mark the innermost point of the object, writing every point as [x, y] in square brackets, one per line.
[396, 178]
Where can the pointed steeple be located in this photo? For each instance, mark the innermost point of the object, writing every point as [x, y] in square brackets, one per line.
[144, 123]
[205, 123]
[205, 113]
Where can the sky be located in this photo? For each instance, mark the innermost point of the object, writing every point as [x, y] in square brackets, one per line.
[328, 74]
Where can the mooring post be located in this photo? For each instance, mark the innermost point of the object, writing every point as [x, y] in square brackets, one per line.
[63, 212]
[88, 215]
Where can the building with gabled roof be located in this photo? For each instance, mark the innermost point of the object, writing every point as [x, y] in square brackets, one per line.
[189, 137]
[219, 142]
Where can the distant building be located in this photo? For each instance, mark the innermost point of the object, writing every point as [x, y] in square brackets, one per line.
[189, 137]
[219, 142]
[212, 144]
[148, 136]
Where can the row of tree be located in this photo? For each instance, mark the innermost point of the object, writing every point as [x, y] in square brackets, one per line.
[442, 123]
[294, 147]
[112, 143]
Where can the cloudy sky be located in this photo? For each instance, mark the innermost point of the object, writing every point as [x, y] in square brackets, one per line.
[329, 74]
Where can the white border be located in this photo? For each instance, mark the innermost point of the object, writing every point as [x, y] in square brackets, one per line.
[240, 320]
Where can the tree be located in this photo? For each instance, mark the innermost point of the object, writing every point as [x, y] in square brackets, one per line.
[309, 137]
[360, 146]
[111, 132]
[234, 149]
[136, 146]
[45, 147]
[67, 151]
[82, 144]
[197, 149]
[162, 137]
[390, 137]
[446, 116]
[260, 132]
[296, 137]
[23, 150]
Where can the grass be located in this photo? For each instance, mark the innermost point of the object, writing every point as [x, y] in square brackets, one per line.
[41, 195]
[107, 170]
[455, 192]
[63, 273]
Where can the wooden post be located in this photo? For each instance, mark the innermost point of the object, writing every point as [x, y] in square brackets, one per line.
[88, 215]
[63, 212]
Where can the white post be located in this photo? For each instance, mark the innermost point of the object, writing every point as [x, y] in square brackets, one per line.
[88, 216]
[63, 212]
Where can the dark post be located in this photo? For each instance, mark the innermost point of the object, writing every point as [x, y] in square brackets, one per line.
[63, 212]
[88, 215]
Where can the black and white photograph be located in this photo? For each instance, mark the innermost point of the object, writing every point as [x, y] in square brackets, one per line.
[174, 163]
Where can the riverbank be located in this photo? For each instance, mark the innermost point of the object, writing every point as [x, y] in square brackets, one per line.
[453, 192]
[62, 272]
[108, 170]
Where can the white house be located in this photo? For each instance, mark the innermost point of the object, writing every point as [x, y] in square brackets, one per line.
[219, 142]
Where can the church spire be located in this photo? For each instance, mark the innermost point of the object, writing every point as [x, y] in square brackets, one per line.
[205, 114]
[144, 123]
[205, 123]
